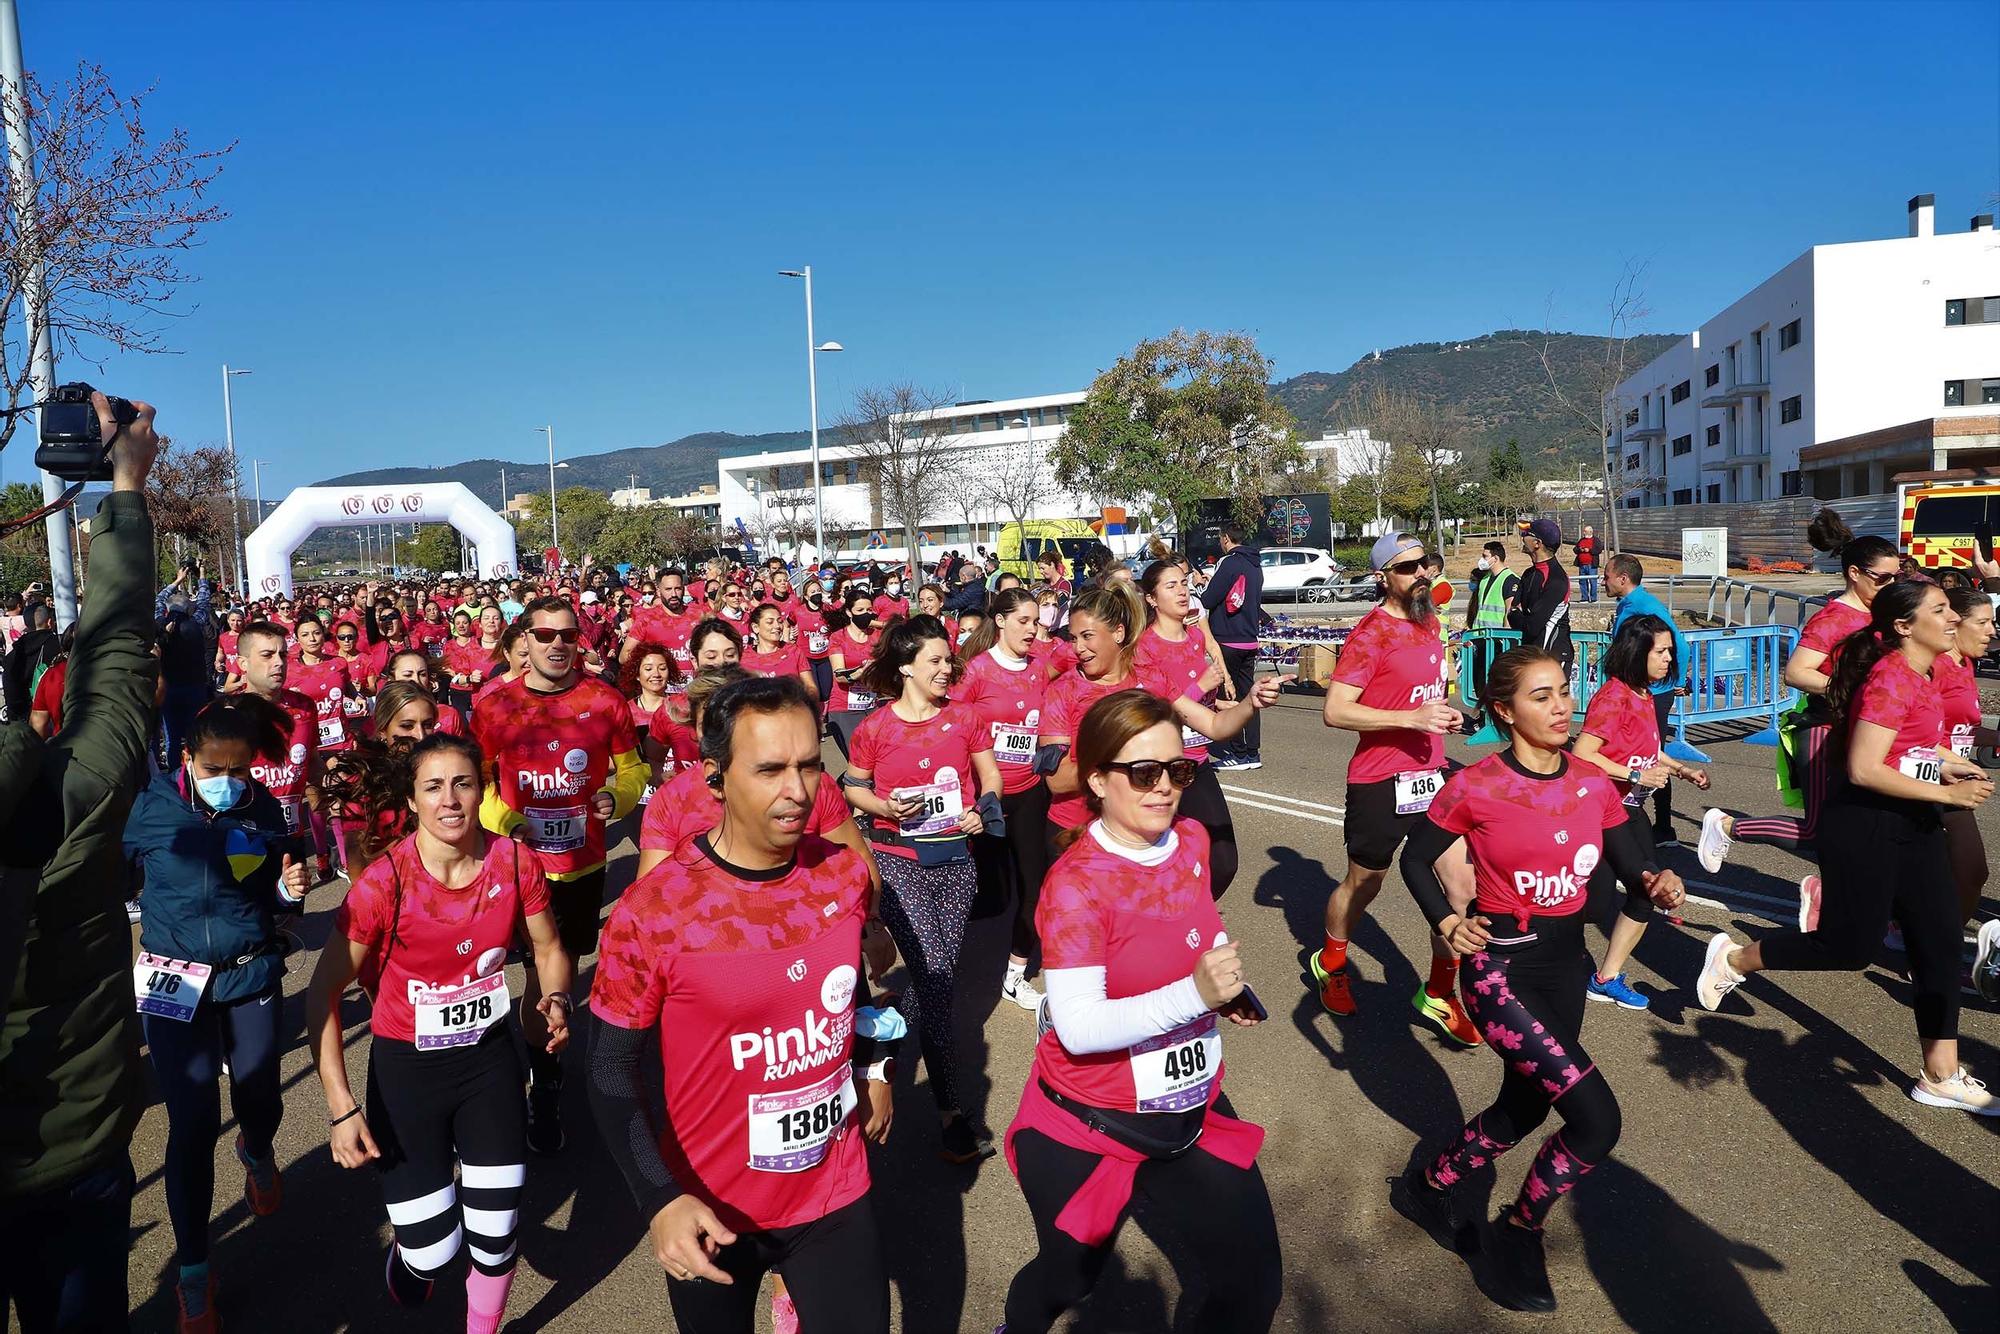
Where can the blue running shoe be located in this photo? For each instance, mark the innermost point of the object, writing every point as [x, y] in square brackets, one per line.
[1617, 991]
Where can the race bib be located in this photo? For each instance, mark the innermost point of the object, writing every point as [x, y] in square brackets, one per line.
[1013, 745]
[943, 806]
[1636, 797]
[1963, 739]
[459, 1016]
[816, 642]
[1172, 1072]
[1191, 739]
[355, 706]
[1923, 765]
[169, 988]
[790, 1131]
[331, 732]
[1415, 792]
[860, 701]
[555, 828]
[292, 807]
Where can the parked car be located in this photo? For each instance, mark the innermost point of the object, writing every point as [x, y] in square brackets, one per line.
[1288, 569]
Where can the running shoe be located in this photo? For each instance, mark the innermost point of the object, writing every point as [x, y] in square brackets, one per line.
[1447, 1016]
[1435, 1209]
[1809, 905]
[132, 910]
[1892, 939]
[1713, 846]
[325, 868]
[405, 1288]
[1020, 990]
[1986, 961]
[1616, 991]
[545, 1131]
[961, 1144]
[1961, 1092]
[1336, 996]
[197, 1305]
[263, 1184]
[784, 1315]
[1717, 978]
[1520, 1267]
[1240, 762]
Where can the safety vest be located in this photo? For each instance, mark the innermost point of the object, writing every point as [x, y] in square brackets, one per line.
[1489, 607]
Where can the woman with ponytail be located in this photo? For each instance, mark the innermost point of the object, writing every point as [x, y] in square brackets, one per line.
[1883, 848]
[1868, 565]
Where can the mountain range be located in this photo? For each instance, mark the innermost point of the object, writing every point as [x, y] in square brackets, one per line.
[1496, 380]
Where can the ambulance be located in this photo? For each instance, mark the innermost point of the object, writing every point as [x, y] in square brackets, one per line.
[1939, 514]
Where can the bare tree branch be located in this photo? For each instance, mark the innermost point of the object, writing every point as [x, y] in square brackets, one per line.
[905, 448]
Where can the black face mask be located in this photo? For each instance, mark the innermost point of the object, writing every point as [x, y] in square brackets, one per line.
[862, 619]
[812, 599]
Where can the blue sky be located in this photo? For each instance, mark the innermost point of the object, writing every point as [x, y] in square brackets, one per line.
[454, 222]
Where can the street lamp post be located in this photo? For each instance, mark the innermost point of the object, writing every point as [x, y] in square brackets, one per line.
[235, 483]
[813, 349]
[503, 489]
[550, 431]
[257, 481]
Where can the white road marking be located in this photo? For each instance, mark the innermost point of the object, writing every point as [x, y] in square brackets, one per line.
[1286, 810]
[1258, 795]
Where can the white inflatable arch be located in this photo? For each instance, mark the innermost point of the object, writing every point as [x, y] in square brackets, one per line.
[268, 550]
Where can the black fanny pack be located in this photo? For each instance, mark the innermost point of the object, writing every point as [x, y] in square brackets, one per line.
[1120, 1127]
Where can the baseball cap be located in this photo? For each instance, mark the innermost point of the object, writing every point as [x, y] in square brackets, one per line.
[1544, 531]
[1389, 546]
[588, 598]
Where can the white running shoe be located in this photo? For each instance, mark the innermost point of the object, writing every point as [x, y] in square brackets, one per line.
[1713, 845]
[1020, 990]
[1986, 961]
[1961, 1092]
[1717, 978]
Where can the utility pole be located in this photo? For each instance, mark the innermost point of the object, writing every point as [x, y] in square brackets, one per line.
[34, 298]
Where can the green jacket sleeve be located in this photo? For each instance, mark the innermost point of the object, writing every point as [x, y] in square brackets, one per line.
[108, 698]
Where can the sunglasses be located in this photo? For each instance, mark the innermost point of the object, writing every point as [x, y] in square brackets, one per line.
[347, 639]
[546, 635]
[1880, 580]
[1145, 774]
[1403, 567]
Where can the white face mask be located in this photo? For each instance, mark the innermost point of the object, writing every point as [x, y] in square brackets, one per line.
[1483, 564]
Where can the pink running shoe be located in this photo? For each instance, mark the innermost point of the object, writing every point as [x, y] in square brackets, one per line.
[1809, 904]
[784, 1316]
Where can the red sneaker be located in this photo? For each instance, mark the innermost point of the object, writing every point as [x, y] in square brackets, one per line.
[1447, 1016]
[263, 1184]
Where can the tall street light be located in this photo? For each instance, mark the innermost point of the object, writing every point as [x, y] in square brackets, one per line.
[550, 432]
[257, 480]
[813, 349]
[235, 482]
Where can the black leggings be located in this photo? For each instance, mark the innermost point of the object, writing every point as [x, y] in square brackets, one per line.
[1224, 1212]
[822, 670]
[1027, 862]
[926, 909]
[1781, 831]
[1602, 903]
[1878, 859]
[832, 1269]
[432, 1110]
[1528, 1002]
[1968, 860]
[1204, 801]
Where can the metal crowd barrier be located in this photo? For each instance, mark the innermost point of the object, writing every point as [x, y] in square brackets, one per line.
[1735, 674]
[1734, 602]
[1478, 648]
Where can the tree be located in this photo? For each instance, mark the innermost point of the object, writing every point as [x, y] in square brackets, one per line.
[1364, 416]
[787, 503]
[1428, 460]
[965, 489]
[114, 211]
[24, 556]
[1593, 407]
[905, 449]
[188, 493]
[652, 535]
[1179, 420]
[581, 514]
[436, 548]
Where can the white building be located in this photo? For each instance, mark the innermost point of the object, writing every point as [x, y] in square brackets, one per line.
[704, 502]
[1346, 455]
[1853, 363]
[771, 492]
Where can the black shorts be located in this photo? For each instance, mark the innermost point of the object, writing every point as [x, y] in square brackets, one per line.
[1374, 830]
[576, 904]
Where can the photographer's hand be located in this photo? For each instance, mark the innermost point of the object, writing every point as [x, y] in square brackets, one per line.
[134, 446]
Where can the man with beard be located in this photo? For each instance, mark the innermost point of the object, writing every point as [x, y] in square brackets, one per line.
[1389, 686]
[1541, 605]
[666, 623]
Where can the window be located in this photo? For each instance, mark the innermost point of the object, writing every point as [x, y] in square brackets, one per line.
[1631, 463]
[1715, 493]
[1714, 434]
[1632, 417]
[1681, 391]
[1954, 393]
[1791, 409]
[1712, 376]
[1684, 496]
[1947, 516]
[1989, 391]
[1791, 484]
[1788, 337]
[1954, 311]
[1683, 444]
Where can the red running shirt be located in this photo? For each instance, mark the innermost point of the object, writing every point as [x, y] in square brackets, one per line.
[1009, 702]
[225, 644]
[1897, 697]
[287, 779]
[751, 984]
[549, 755]
[1055, 656]
[327, 684]
[686, 807]
[1828, 626]
[787, 660]
[1146, 927]
[935, 754]
[1534, 841]
[1069, 698]
[465, 659]
[441, 937]
[854, 653]
[813, 633]
[1958, 698]
[1399, 665]
[1623, 719]
[1171, 671]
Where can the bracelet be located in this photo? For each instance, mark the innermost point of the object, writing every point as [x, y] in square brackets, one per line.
[561, 998]
[355, 1110]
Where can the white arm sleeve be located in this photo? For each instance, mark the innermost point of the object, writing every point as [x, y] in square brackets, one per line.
[1088, 1023]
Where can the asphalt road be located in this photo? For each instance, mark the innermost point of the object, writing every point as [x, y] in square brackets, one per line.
[1772, 1174]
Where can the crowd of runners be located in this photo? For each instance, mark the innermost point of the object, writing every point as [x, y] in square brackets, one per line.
[1043, 744]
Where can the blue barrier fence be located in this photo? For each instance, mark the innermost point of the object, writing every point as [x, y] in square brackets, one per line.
[1734, 675]
[1478, 649]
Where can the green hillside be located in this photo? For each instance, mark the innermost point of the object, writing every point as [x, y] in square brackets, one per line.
[1496, 380]
[671, 469]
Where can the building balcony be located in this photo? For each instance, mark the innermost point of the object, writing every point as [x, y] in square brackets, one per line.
[1735, 393]
[1645, 432]
[1753, 456]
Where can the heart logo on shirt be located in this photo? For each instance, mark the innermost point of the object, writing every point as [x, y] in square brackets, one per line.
[1193, 939]
[797, 971]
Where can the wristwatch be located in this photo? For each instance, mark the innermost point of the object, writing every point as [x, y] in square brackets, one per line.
[1632, 777]
[882, 1072]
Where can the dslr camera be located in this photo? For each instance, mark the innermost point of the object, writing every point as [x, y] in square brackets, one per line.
[72, 447]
